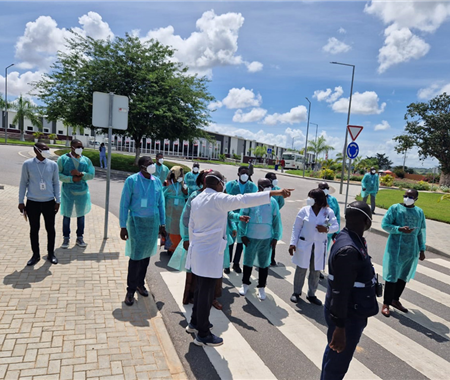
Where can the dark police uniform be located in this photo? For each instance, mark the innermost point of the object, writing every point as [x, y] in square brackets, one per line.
[350, 300]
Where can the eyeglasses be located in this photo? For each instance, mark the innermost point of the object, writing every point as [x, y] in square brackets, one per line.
[409, 196]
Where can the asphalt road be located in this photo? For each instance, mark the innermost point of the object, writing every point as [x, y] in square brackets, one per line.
[274, 349]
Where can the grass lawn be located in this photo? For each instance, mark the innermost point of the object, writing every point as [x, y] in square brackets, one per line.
[29, 143]
[428, 202]
[118, 161]
[300, 172]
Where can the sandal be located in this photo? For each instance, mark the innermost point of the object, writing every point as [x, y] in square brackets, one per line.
[217, 305]
[385, 311]
[399, 306]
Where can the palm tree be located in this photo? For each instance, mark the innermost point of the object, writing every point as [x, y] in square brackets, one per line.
[319, 146]
[25, 110]
[260, 151]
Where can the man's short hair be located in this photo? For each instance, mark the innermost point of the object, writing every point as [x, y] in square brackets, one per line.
[143, 160]
[75, 141]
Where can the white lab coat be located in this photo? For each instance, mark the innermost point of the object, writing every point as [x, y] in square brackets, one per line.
[208, 225]
[305, 227]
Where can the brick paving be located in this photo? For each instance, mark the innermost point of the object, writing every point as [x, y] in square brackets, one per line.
[68, 321]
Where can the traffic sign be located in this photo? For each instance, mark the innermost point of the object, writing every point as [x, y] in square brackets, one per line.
[352, 150]
[269, 150]
[354, 131]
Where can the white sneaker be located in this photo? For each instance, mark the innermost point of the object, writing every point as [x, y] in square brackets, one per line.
[243, 289]
[261, 294]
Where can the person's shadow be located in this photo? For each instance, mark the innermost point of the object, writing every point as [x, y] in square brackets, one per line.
[28, 275]
[139, 314]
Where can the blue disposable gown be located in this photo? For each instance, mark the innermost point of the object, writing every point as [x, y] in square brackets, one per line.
[370, 183]
[190, 181]
[263, 227]
[334, 205]
[75, 196]
[142, 211]
[279, 198]
[402, 250]
[232, 225]
[162, 171]
[175, 202]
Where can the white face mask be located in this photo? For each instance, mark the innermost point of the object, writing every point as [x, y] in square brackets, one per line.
[373, 171]
[244, 178]
[161, 160]
[79, 151]
[46, 153]
[180, 179]
[275, 182]
[267, 189]
[195, 170]
[151, 169]
[408, 201]
[326, 191]
[310, 201]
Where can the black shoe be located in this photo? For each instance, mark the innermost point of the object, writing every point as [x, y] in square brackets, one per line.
[52, 259]
[273, 263]
[374, 213]
[129, 299]
[33, 260]
[237, 268]
[142, 291]
[314, 300]
[321, 276]
[226, 271]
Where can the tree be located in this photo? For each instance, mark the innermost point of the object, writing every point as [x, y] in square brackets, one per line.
[319, 146]
[260, 151]
[25, 110]
[164, 100]
[383, 161]
[428, 125]
[404, 143]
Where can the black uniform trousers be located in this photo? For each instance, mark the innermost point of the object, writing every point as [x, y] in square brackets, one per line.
[34, 210]
[203, 299]
[137, 270]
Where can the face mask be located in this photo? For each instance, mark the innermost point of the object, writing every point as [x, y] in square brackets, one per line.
[151, 169]
[78, 151]
[195, 170]
[373, 171]
[161, 160]
[408, 201]
[267, 189]
[310, 201]
[46, 153]
[244, 178]
[180, 179]
[275, 182]
[326, 191]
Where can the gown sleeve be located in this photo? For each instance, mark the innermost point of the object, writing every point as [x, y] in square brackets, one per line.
[389, 222]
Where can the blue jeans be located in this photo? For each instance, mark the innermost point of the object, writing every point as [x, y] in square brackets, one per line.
[334, 365]
[66, 226]
[103, 161]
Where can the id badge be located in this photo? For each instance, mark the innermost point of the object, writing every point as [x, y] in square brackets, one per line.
[42, 186]
[144, 202]
[175, 202]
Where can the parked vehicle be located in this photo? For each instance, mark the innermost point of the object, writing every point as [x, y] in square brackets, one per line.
[293, 160]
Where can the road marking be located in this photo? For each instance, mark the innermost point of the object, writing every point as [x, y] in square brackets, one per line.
[441, 262]
[235, 359]
[26, 154]
[433, 274]
[407, 350]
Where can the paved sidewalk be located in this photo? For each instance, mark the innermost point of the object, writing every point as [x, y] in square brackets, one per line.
[68, 321]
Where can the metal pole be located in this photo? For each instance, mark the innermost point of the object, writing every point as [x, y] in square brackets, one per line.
[344, 151]
[108, 173]
[315, 142]
[348, 182]
[6, 102]
[306, 143]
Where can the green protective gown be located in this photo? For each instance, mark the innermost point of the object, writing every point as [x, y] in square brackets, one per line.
[75, 196]
[402, 250]
[142, 211]
[161, 172]
[264, 226]
[369, 182]
[190, 181]
[334, 205]
[279, 198]
[175, 202]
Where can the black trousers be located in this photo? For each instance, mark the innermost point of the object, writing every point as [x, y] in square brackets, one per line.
[203, 299]
[137, 269]
[273, 254]
[393, 291]
[262, 279]
[34, 210]
[237, 254]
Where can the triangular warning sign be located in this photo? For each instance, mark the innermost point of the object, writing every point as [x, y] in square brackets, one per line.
[354, 131]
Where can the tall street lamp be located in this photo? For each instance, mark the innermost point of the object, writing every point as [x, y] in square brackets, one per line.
[6, 102]
[344, 151]
[315, 141]
[306, 143]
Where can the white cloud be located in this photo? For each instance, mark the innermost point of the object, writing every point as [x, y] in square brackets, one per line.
[342, 30]
[94, 26]
[214, 44]
[254, 115]
[383, 126]
[334, 46]
[433, 90]
[401, 45]
[241, 98]
[254, 66]
[215, 105]
[294, 116]
[328, 95]
[19, 84]
[362, 104]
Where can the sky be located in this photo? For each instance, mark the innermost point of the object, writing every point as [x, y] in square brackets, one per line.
[264, 59]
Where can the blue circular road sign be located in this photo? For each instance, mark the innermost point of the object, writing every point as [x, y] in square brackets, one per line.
[352, 150]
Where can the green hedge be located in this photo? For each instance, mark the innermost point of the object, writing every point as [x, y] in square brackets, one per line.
[353, 177]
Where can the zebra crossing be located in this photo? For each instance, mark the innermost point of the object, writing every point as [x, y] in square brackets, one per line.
[424, 354]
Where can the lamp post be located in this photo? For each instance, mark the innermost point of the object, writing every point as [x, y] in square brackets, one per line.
[344, 151]
[6, 102]
[315, 141]
[306, 143]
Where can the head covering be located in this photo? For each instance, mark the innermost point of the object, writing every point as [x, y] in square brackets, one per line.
[177, 171]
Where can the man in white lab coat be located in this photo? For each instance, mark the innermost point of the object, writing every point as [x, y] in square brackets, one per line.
[208, 239]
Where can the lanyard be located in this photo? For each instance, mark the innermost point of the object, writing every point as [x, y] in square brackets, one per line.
[143, 187]
[41, 173]
[177, 188]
